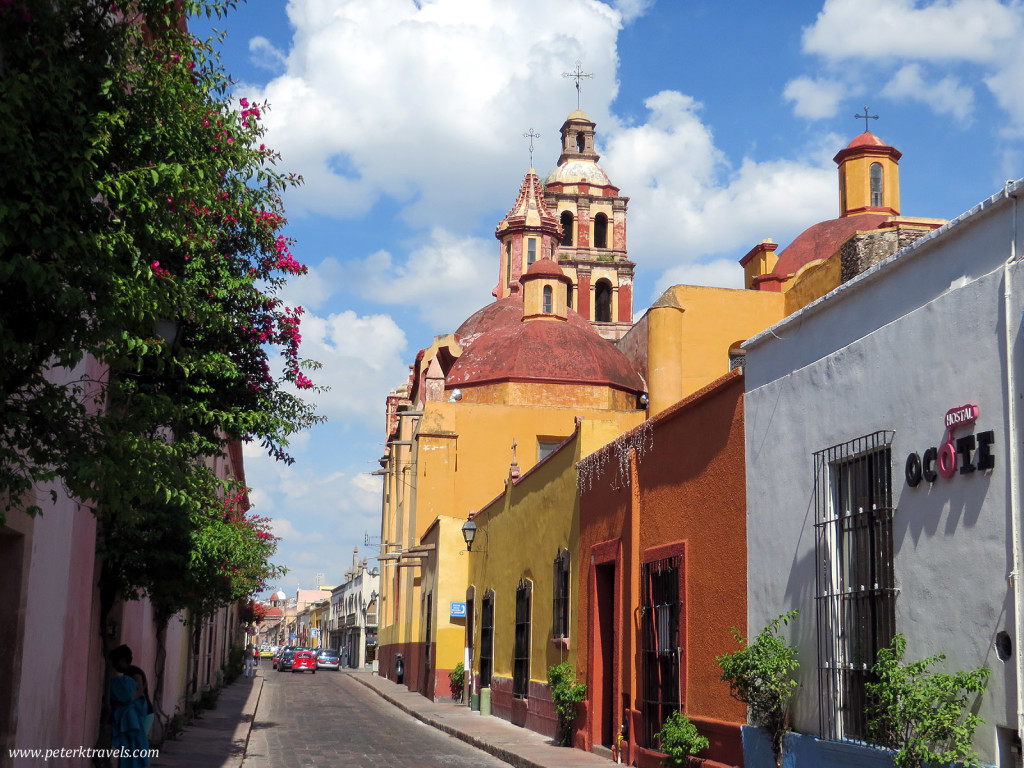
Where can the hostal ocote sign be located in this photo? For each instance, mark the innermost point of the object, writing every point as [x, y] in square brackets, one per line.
[971, 452]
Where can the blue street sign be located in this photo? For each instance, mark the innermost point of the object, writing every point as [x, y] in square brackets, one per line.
[458, 610]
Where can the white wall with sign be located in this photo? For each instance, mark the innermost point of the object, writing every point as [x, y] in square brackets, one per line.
[911, 340]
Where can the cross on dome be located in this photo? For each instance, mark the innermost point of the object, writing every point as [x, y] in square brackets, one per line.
[865, 117]
[578, 75]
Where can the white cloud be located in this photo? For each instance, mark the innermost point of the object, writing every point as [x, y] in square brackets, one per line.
[631, 10]
[264, 55]
[815, 98]
[721, 273]
[946, 96]
[962, 30]
[446, 278]
[389, 98]
[687, 203]
[362, 359]
[860, 41]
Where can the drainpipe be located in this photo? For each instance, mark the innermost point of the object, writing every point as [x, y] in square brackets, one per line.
[1014, 463]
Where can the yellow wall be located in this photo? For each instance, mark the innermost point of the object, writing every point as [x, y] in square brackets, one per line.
[855, 183]
[813, 282]
[690, 330]
[519, 535]
[445, 573]
[458, 462]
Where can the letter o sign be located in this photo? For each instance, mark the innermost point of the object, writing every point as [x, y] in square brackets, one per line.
[947, 460]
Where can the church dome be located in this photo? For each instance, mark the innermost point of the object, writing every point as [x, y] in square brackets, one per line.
[542, 351]
[575, 171]
[504, 313]
[823, 239]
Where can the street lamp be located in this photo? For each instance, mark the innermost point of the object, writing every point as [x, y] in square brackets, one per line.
[469, 534]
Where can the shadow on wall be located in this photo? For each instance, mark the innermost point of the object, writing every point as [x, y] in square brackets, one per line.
[802, 751]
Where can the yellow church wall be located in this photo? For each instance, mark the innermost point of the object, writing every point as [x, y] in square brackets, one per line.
[690, 331]
[465, 449]
[538, 394]
[520, 533]
[812, 282]
[444, 579]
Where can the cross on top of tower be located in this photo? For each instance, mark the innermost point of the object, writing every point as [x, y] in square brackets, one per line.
[865, 117]
[578, 75]
[531, 136]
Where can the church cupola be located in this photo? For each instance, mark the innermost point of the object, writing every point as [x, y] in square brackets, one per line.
[528, 233]
[869, 177]
[545, 291]
[592, 214]
[578, 138]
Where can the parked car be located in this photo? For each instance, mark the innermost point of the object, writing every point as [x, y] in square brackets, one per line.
[303, 660]
[266, 651]
[277, 656]
[287, 656]
[328, 659]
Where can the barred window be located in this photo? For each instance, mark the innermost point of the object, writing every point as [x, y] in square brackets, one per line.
[521, 651]
[486, 639]
[856, 592]
[560, 621]
[661, 646]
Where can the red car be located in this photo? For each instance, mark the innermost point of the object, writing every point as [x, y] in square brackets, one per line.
[304, 660]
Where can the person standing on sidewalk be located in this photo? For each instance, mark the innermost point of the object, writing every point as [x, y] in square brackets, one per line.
[248, 661]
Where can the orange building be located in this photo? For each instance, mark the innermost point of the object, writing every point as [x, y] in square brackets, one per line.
[662, 516]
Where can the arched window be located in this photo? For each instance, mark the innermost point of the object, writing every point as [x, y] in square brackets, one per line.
[508, 263]
[531, 250]
[566, 227]
[547, 300]
[603, 301]
[876, 184]
[601, 231]
[581, 142]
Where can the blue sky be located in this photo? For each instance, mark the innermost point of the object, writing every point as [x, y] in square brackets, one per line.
[719, 120]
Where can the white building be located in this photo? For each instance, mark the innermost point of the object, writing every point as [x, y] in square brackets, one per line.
[883, 431]
[353, 628]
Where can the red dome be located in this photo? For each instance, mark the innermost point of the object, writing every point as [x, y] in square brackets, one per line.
[866, 139]
[504, 313]
[823, 239]
[543, 351]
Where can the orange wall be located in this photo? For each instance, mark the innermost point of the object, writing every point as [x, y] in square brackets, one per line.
[689, 486]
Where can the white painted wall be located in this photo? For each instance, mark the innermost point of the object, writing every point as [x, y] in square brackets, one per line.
[895, 349]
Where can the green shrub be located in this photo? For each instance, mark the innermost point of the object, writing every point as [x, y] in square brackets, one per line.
[680, 740]
[236, 664]
[923, 716]
[456, 681]
[566, 693]
[208, 698]
[761, 675]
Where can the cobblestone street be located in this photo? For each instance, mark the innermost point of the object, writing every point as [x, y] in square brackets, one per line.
[329, 719]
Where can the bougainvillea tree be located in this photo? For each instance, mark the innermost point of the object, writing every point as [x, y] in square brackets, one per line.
[141, 227]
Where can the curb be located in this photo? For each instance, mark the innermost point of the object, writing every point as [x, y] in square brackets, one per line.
[252, 703]
[501, 753]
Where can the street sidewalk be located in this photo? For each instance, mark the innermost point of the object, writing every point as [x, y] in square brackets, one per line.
[218, 738]
[519, 747]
